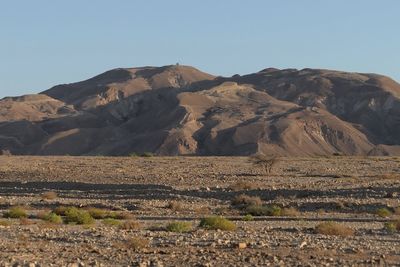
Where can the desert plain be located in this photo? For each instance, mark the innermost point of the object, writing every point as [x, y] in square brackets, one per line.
[135, 200]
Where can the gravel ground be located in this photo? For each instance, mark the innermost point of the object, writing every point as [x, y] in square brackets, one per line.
[346, 190]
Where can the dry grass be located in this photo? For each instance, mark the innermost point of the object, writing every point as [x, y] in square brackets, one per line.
[332, 228]
[243, 185]
[26, 221]
[389, 176]
[290, 212]
[5, 223]
[174, 205]
[50, 195]
[130, 225]
[137, 243]
[202, 210]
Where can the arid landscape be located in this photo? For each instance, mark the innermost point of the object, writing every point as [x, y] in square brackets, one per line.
[199, 211]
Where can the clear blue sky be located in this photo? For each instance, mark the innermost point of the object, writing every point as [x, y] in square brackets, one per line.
[48, 42]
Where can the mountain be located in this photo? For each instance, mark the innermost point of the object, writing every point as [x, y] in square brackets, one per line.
[179, 110]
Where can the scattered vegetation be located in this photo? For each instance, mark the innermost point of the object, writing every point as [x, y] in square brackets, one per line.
[78, 216]
[179, 227]
[50, 195]
[243, 185]
[202, 210]
[266, 162]
[389, 176]
[147, 155]
[383, 212]
[217, 223]
[60, 210]
[25, 221]
[391, 227]
[16, 213]
[266, 210]
[332, 228]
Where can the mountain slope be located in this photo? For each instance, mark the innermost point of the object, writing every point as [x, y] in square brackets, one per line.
[179, 110]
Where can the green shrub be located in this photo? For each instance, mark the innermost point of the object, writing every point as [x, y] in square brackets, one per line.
[383, 212]
[267, 210]
[390, 227]
[97, 213]
[179, 227]
[147, 155]
[16, 213]
[53, 218]
[111, 222]
[77, 216]
[248, 217]
[217, 223]
[60, 210]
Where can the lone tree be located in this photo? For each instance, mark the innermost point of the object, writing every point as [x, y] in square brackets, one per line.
[266, 162]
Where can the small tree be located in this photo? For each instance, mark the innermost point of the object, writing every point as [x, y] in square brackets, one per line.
[266, 162]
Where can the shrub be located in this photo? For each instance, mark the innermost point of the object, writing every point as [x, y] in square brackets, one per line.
[243, 185]
[60, 210]
[16, 213]
[130, 225]
[25, 221]
[266, 162]
[147, 155]
[217, 223]
[245, 200]
[97, 213]
[332, 228]
[390, 227]
[383, 212]
[50, 195]
[52, 218]
[267, 210]
[111, 222]
[179, 227]
[137, 243]
[5, 223]
[292, 212]
[248, 218]
[133, 154]
[120, 215]
[77, 216]
[202, 210]
[174, 205]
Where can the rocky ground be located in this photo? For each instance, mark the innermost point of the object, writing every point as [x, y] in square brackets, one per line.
[156, 191]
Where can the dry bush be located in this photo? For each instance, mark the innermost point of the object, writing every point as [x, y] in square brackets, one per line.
[202, 210]
[291, 212]
[174, 205]
[137, 243]
[266, 162]
[50, 195]
[121, 215]
[243, 185]
[60, 210]
[25, 221]
[97, 213]
[130, 225]
[243, 201]
[332, 228]
[389, 176]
